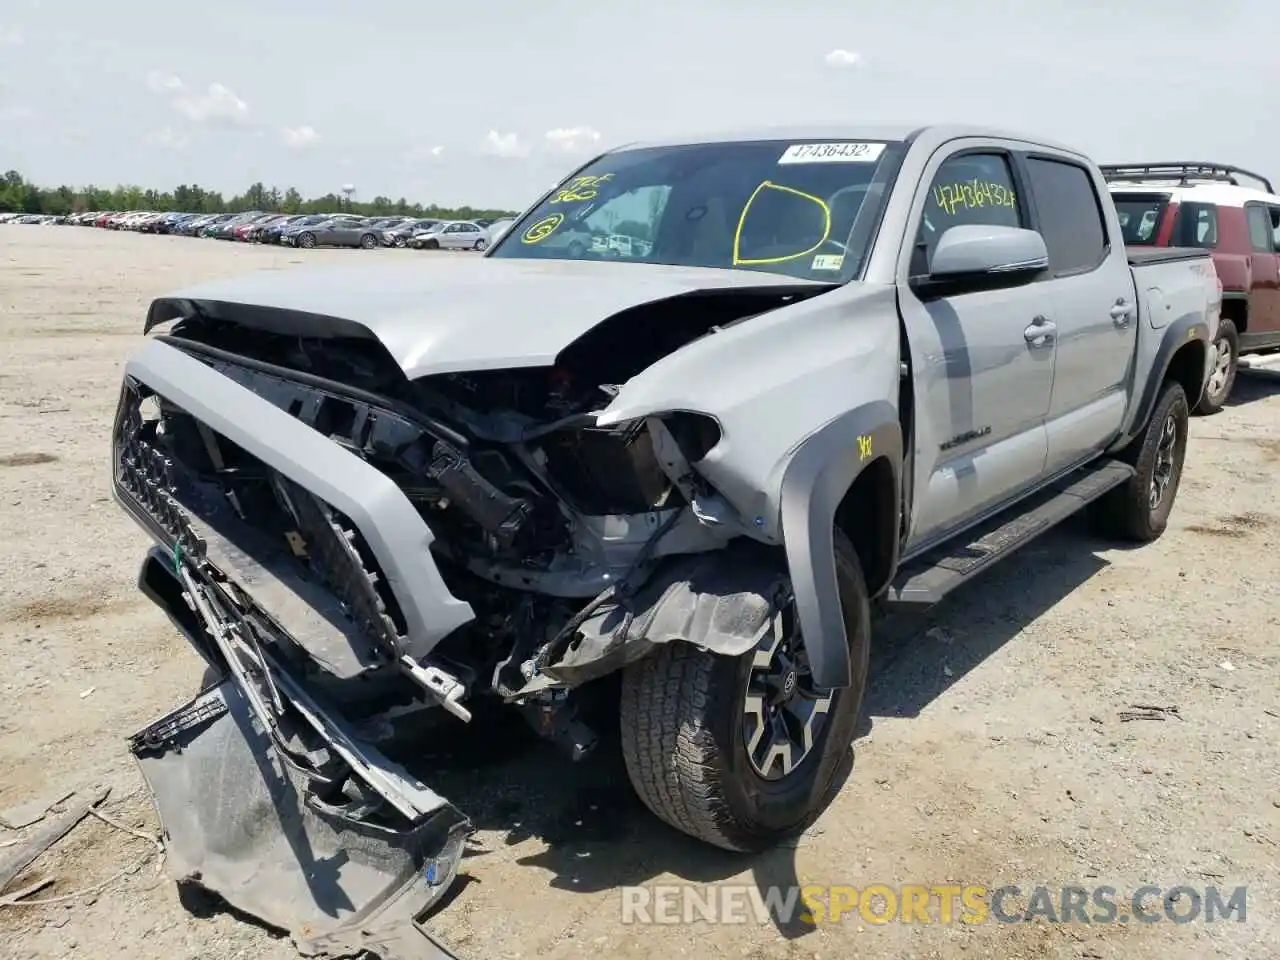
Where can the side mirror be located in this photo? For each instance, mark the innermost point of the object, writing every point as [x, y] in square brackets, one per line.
[979, 256]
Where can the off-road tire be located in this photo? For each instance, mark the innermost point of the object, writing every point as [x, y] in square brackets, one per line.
[1211, 402]
[1125, 513]
[682, 739]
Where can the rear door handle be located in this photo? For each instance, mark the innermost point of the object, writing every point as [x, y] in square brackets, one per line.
[1121, 312]
[1041, 332]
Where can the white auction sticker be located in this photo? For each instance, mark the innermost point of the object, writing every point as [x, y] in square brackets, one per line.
[848, 152]
[827, 261]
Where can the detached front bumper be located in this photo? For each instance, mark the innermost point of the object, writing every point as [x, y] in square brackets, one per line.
[267, 795]
[246, 812]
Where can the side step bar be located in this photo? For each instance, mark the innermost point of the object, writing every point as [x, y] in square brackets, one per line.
[926, 580]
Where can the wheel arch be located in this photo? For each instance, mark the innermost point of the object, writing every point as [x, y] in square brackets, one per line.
[1235, 307]
[1183, 354]
[849, 472]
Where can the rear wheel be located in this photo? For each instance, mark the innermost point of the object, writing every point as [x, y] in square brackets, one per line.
[741, 752]
[1138, 510]
[368, 241]
[481, 244]
[1222, 375]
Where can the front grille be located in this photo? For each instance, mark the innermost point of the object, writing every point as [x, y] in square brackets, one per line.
[146, 477]
[208, 501]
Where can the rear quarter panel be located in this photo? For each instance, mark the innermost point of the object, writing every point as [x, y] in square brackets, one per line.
[1179, 302]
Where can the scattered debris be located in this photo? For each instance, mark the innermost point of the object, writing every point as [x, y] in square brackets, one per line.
[938, 634]
[1144, 711]
[23, 815]
[1227, 665]
[87, 692]
[47, 837]
[10, 899]
[54, 832]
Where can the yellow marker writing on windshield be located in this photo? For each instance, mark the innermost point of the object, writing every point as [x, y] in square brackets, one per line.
[542, 229]
[580, 189]
[738, 259]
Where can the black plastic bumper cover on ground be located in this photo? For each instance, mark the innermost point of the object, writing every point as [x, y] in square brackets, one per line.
[237, 821]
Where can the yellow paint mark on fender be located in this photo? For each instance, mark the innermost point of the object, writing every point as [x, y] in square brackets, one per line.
[742, 218]
[864, 447]
[543, 228]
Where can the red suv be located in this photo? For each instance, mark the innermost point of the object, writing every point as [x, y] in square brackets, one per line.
[1204, 205]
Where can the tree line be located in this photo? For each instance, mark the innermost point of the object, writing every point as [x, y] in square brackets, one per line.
[19, 195]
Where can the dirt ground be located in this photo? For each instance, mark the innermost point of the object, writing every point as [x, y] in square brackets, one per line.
[995, 750]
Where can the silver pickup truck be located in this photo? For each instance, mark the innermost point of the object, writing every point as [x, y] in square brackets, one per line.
[834, 368]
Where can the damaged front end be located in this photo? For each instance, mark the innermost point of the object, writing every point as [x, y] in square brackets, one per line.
[362, 560]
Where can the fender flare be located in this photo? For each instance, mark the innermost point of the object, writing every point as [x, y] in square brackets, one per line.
[1186, 329]
[813, 484]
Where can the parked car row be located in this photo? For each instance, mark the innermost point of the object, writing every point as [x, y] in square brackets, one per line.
[37, 219]
[294, 230]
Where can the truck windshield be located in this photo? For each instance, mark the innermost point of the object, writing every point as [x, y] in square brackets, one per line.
[772, 206]
[1140, 215]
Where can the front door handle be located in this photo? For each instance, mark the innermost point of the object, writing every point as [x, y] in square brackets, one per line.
[1041, 332]
[1121, 312]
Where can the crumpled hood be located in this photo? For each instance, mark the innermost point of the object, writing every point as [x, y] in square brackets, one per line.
[447, 314]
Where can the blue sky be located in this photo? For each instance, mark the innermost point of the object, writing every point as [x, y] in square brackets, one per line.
[489, 103]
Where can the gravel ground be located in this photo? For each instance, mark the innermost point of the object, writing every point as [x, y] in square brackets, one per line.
[995, 751]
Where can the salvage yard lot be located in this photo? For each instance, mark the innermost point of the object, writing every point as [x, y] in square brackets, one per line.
[995, 749]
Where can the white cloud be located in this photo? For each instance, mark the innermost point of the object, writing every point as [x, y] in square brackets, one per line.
[504, 145]
[423, 154]
[296, 138]
[159, 82]
[11, 36]
[842, 58]
[169, 138]
[571, 139]
[218, 104]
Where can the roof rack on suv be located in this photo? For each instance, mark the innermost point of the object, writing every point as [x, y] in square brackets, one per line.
[1183, 171]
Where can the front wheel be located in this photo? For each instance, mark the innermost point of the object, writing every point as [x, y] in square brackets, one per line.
[368, 241]
[742, 752]
[1222, 376]
[307, 240]
[1138, 510]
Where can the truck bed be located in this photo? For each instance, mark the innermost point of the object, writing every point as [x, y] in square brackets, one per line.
[1142, 256]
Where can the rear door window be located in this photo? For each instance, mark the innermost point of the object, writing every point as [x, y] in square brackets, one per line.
[1140, 215]
[1259, 228]
[1196, 226]
[1070, 215]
